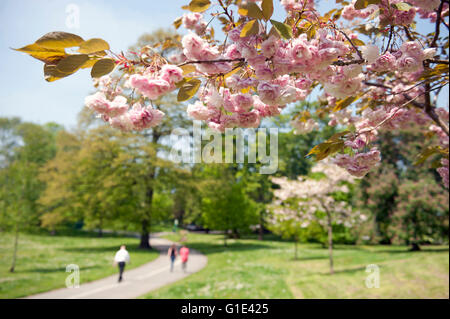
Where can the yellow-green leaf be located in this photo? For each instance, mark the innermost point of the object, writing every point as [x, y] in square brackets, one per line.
[51, 73]
[102, 67]
[402, 6]
[59, 40]
[267, 9]
[188, 90]
[252, 10]
[72, 63]
[199, 5]
[250, 28]
[51, 56]
[177, 23]
[342, 104]
[188, 68]
[431, 150]
[93, 45]
[283, 29]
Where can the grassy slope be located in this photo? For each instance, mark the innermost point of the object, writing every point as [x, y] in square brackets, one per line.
[42, 260]
[255, 269]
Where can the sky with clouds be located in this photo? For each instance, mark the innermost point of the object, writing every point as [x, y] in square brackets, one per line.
[23, 90]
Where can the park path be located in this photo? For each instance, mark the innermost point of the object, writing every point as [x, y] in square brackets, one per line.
[136, 282]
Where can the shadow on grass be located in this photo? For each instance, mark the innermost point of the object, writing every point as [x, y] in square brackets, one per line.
[53, 270]
[408, 250]
[111, 248]
[207, 248]
[308, 258]
[349, 270]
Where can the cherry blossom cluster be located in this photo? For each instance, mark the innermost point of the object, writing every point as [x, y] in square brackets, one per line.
[115, 109]
[254, 75]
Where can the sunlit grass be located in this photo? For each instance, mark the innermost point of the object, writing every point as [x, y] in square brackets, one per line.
[42, 260]
[266, 269]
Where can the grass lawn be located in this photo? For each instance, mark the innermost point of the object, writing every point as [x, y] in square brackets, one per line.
[42, 260]
[265, 269]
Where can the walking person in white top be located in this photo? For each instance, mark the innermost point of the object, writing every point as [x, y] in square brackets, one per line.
[121, 258]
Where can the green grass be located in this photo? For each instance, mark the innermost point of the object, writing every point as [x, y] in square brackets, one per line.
[266, 269]
[42, 260]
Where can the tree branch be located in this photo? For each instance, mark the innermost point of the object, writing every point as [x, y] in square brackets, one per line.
[353, 45]
[211, 61]
[438, 24]
[437, 61]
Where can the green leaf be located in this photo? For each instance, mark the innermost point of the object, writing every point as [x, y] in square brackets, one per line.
[402, 6]
[252, 10]
[267, 9]
[342, 104]
[251, 28]
[431, 150]
[59, 40]
[199, 5]
[93, 45]
[283, 29]
[72, 63]
[102, 67]
[188, 90]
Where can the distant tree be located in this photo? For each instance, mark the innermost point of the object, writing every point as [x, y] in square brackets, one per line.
[321, 198]
[30, 146]
[224, 203]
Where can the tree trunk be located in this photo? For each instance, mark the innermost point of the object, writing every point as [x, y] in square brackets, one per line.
[330, 243]
[145, 235]
[100, 226]
[415, 247]
[295, 254]
[16, 243]
[225, 235]
[260, 234]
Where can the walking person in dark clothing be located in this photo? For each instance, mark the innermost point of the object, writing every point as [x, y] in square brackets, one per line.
[172, 253]
[121, 258]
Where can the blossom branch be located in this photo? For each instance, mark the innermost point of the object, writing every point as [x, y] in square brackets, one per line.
[211, 61]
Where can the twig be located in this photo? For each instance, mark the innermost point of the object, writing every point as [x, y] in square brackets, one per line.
[211, 61]
[342, 63]
[408, 34]
[437, 61]
[438, 24]
[353, 45]
[390, 38]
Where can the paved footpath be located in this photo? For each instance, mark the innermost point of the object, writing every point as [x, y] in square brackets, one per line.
[136, 282]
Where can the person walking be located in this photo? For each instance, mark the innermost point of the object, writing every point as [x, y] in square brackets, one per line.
[184, 254]
[121, 258]
[172, 253]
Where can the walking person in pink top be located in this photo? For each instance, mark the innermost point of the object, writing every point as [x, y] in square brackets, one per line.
[184, 254]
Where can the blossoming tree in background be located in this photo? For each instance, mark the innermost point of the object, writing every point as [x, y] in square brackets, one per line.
[301, 201]
[373, 67]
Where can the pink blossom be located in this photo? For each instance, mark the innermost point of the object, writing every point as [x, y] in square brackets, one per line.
[97, 102]
[143, 117]
[269, 46]
[268, 93]
[443, 171]
[171, 73]
[150, 88]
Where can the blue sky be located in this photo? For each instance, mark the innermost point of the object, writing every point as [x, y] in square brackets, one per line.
[25, 93]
